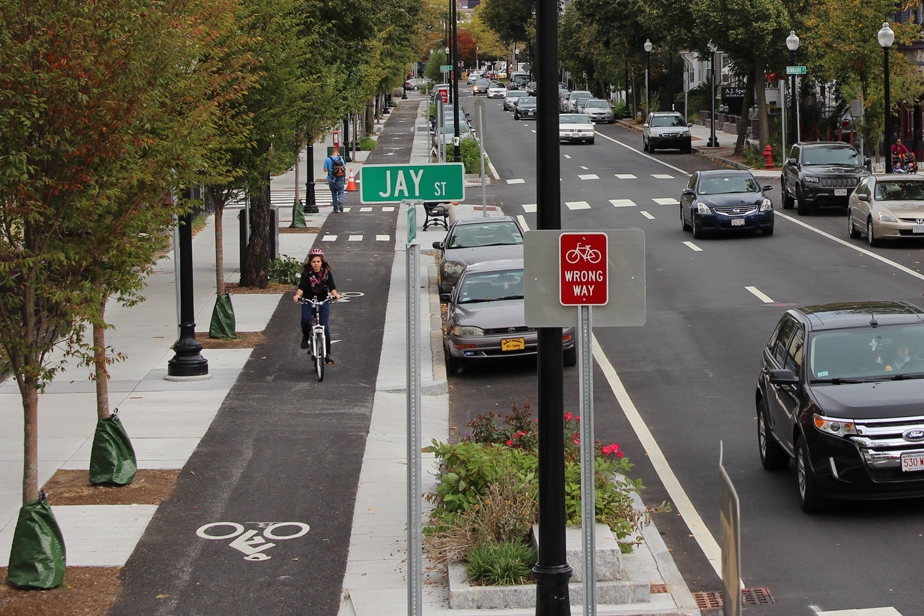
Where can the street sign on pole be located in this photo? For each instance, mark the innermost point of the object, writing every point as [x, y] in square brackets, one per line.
[795, 70]
[583, 258]
[392, 183]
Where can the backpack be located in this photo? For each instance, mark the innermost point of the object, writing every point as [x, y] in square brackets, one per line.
[336, 167]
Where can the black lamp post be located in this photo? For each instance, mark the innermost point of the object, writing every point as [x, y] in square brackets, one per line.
[347, 157]
[187, 361]
[627, 113]
[713, 142]
[792, 43]
[648, 48]
[886, 37]
[311, 204]
[516, 61]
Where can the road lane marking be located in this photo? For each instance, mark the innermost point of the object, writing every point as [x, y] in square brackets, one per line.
[522, 220]
[622, 202]
[583, 166]
[529, 207]
[626, 176]
[647, 215]
[329, 238]
[577, 205]
[657, 160]
[355, 238]
[681, 502]
[761, 296]
[662, 176]
[516, 181]
[382, 238]
[868, 253]
[666, 201]
[588, 176]
[692, 246]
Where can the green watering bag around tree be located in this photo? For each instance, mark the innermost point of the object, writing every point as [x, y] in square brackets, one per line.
[223, 325]
[112, 459]
[37, 555]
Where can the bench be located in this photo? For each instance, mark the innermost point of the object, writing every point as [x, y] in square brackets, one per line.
[437, 214]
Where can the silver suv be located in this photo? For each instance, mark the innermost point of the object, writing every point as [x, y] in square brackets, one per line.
[666, 129]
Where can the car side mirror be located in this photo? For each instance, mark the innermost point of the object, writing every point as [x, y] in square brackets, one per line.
[445, 297]
[792, 161]
[645, 125]
[689, 124]
[783, 377]
[688, 191]
[863, 197]
[438, 245]
[767, 187]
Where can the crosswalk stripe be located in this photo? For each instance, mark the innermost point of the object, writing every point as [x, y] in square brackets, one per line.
[516, 181]
[626, 176]
[355, 238]
[333, 238]
[577, 205]
[382, 238]
[589, 176]
[647, 215]
[622, 202]
[666, 201]
[529, 207]
[662, 176]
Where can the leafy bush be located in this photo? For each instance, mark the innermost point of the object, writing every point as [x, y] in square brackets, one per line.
[500, 564]
[471, 152]
[367, 144]
[285, 270]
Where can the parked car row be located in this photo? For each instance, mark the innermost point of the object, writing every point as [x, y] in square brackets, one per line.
[480, 278]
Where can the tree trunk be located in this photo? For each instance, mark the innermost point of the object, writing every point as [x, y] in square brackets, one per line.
[219, 248]
[745, 114]
[30, 486]
[100, 368]
[256, 271]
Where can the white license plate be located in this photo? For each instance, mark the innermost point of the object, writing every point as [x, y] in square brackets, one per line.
[737, 222]
[913, 461]
[840, 192]
[917, 229]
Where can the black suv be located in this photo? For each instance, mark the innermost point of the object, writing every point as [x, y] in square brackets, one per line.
[841, 390]
[822, 173]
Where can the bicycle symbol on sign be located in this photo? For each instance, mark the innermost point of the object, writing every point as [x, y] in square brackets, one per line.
[583, 252]
[252, 542]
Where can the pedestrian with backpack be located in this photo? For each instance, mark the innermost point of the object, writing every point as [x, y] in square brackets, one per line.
[336, 176]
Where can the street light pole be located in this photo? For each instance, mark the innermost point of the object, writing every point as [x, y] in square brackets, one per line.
[792, 43]
[886, 37]
[648, 47]
[311, 203]
[627, 113]
[187, 362]
[456, 147]
[713, 142]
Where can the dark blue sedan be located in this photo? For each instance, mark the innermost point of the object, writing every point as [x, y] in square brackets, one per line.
[725, 200]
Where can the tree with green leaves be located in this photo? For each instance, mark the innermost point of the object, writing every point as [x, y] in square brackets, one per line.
[101, 123]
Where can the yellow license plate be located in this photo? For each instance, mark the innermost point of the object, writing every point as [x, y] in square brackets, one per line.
[513, 344]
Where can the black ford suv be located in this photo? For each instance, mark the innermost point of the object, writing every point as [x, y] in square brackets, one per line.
[841, 390]
[821, 173]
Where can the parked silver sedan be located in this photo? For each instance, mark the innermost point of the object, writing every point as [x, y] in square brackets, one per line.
[598, 110]
[887, 207]
[475, 239]
[486, 317]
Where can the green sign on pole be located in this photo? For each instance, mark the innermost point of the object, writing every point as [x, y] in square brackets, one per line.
[445, 68]
[391, 183]
[411, 224]
[795, 70]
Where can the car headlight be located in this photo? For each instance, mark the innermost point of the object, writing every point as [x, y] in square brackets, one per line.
[884, 216]
[702, 208]
[467, 330]
[766, 205]
[811, 179]
[835, 427]
[685, 133]
[453, 269]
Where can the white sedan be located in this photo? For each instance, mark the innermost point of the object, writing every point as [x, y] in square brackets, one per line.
[497, 90]
[575, 128]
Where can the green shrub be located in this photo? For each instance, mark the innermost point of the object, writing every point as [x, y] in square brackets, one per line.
[285, 270]
[500, 564]
[367, 144]
[471, 152]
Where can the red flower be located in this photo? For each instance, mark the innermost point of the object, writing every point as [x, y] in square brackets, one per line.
[509, 443]
[568, 417]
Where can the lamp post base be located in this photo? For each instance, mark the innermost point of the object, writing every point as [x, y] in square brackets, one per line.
[188, 361]
[713, 142]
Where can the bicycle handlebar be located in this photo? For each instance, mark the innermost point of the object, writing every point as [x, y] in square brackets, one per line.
[316, 302]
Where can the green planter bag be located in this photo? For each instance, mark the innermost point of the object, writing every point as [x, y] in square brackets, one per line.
[223, 325]
[37, 556]
[112, 459]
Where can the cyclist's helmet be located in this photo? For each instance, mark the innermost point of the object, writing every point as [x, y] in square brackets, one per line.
[315, 252]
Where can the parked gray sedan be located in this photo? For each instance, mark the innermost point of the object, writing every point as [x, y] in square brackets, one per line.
[887, 207]
[486, 317]
[598, 110]
[471, 240]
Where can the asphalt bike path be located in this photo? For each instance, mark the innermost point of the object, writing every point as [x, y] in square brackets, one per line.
[260, 520]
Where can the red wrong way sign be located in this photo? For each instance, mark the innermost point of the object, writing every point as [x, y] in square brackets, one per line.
[583, 259]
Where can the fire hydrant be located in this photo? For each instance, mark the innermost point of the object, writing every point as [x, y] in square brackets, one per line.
[768, 156]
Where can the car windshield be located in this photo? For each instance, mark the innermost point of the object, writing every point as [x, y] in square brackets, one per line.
[883, 353]
[486, 234]
[491, 286]
[595, 104]
[901, 190]
[526, 101]
[516, 94]
[723, 185]
[573, 119]
[667, 121]
[483, 82]
[832, 155]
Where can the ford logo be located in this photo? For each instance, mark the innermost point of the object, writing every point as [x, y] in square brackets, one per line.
[913, 435]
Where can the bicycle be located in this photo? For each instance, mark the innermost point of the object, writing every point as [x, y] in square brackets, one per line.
[317, 347]
[583, 252]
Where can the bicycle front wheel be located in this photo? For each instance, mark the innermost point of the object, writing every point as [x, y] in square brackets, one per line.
[319, 350]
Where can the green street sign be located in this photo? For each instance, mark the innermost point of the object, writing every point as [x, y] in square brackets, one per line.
[795, 70]
[393, 183]
[445, 68]
[411, 225]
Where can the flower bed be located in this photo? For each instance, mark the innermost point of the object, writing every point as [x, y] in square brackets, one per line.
[485, 503]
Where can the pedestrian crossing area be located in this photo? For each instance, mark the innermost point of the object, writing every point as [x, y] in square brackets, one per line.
[584, 205]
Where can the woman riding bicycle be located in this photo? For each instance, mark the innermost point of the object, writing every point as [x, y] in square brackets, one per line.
[317, 282]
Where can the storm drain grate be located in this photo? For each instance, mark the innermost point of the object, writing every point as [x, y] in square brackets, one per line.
[708, 599]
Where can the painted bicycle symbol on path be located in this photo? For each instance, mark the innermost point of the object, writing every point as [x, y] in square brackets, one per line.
[346, 296]
[583, 252]
[253, 543]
